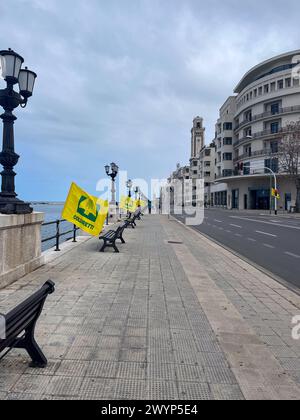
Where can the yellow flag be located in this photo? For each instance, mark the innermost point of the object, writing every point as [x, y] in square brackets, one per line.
[128, 204]
[275, 193]
[140, 203]
[85, 211]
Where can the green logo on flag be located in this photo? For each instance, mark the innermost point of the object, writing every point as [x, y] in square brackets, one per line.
[87, 209]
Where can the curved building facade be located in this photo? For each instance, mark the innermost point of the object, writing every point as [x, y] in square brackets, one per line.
[268, 98]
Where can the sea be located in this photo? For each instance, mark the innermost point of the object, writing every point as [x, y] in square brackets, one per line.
[52, 213]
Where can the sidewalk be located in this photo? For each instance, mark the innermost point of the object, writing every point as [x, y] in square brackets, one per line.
[173, 316]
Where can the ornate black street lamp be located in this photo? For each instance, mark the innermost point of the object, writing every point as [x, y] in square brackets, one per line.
[129, 185]
[136, 191]
[11, 72]
[112, 171]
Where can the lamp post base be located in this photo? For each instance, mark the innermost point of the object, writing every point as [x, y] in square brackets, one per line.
[14, 206]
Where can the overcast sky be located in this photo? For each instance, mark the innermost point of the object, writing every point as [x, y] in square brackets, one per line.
[122, 80]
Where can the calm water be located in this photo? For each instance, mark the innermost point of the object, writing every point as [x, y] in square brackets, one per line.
[52, 213]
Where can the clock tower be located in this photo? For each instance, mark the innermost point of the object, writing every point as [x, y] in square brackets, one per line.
[198, 137]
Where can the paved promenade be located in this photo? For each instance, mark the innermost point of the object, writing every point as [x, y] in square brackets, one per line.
[173, 316]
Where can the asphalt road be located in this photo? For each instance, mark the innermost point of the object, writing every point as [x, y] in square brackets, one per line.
[272, 242]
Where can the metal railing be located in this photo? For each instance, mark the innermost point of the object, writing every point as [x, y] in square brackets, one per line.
[267, 114]
[60, 234]
[261, 134]
[262, 152]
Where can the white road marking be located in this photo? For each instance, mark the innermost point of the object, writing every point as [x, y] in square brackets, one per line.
[292, 255]
[266, 223]
[228, 231]
[265, 233]
[238, 235]
[218, 221]
[269, 246]
[252, 240]
[237, 226]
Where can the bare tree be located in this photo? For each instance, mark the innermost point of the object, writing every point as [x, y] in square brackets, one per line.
[289, 157]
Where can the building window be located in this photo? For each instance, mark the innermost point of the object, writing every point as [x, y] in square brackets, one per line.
[207, 152]
[195, 163]
[195, 172]
[248, 132]
[207, 174]
[235, 199]
[246, 168]
[266, 89]
[207, 164]
[288, 82]
[227, 156]
[280, 84]
[227, 126]
[272, 164]
[274, 127]
[296, 82]
[274, 146]
[275, 108]
[227, 141]
[255, 93]
[273, 87]
[260, 91]
[227, 172]
[248, 150]
[248, 116]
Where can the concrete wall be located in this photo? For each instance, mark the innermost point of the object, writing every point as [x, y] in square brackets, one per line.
[20, 246]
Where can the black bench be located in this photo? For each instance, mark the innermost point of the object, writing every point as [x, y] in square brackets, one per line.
[112, 236]
[131, 221]
[20, 326]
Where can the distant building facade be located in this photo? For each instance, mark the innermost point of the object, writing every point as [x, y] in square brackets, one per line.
[268, 98]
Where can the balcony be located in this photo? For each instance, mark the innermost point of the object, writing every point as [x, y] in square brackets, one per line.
[269, 114]
[229, 174]
[250, 173]
[261, 134]
[263, 152]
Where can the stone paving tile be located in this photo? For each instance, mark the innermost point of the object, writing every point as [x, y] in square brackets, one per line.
[226, 392]
[3, 395]
[130, 326]
[194, 391]
[158, 390]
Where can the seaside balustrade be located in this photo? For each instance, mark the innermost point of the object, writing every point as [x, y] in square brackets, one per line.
[60, 234]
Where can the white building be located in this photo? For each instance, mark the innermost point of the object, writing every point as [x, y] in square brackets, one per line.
[207, 160]
[224, 151]
[268, 98]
